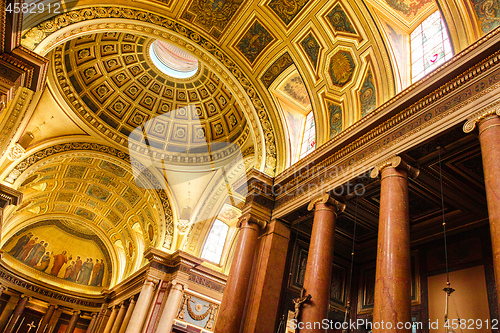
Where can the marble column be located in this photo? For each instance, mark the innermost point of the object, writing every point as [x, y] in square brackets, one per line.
[128, 315]
[44, 324]
[170, 309]
[92, 323]
[318, 274]
[489, 138]
[7, 311]
[235, 292]
[119, 318]
[393, 271]
[111, 320]
[72, 322]
[142, 307]
[18, 311]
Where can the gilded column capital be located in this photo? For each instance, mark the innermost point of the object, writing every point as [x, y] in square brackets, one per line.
[486, 113]
[395, 162]
[325, 198]
[150, 281]
[250, 219]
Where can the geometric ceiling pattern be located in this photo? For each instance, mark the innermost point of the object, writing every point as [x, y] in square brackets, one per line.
[111, 82]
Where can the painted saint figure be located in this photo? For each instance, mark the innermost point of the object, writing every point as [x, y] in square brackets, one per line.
[59, 261]
[85, 272]
[27, 249]
[33, 251]
[21, 242]
[78, 267]
[38, 254]
[95, 272]
[44, 262]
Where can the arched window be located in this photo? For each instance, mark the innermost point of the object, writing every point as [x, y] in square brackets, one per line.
[309, 137]
[214, 245]
[430, 46]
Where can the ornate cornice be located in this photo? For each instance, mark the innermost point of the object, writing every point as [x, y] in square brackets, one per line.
[394, 162]
[9, 196]
[490, 111]
[325, 198]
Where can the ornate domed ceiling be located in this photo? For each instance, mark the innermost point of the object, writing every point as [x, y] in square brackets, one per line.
[111, 82]
[94, 193]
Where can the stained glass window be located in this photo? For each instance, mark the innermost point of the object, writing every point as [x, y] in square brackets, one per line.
[214, 245]
[430, 46]
[309, 138]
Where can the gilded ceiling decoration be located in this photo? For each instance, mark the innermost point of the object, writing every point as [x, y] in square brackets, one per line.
[112, 84]
[212, 16]
[341, 68]
[408, 7]
[340, 21]
[57, 251]
[367, 94]
[335, 118]
[94, 184]
[254, 41]
[312, 49]
[272, 73]
[261, 120]
[488, 13]
[287, 10]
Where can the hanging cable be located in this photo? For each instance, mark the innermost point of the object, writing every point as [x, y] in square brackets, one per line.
[448, 289]
[444, 221]
[348, 307]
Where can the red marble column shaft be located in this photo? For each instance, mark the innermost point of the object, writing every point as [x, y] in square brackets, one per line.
[489, 137]
[393, 273]
[46, 319]
[18, 311]
[319, 268]
[73, 321]
[235, 292]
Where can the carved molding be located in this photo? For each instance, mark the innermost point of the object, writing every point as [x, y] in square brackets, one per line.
[9, 196]
[394, 162]
[325, 198]
[478, 117]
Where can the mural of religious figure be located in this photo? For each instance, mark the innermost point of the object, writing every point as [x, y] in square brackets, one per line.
[78, 267]
[95, 272]
[21, 242]
[85, 272]
[38, 255]
[33, 251]
[56, 259]
[44, 262]
[69, 271]
[59, 261]
[27, 249]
